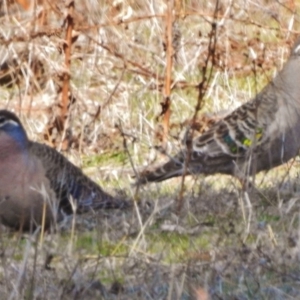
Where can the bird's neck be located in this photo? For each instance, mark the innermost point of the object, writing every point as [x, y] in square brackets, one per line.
[20, 138]
[13, 145]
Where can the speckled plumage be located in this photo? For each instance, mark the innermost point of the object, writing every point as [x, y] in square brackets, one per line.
[259, 135]
[34, 174]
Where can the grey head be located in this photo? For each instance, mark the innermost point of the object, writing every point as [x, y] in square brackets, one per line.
[34, 176]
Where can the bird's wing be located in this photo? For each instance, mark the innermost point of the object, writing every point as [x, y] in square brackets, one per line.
[232, 138]
[67, 181]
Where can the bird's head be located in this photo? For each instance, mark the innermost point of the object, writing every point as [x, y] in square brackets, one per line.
[11, 126]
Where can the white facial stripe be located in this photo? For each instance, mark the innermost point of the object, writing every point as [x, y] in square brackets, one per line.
[12, 122]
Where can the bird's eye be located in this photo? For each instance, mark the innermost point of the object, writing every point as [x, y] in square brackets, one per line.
[2, 121]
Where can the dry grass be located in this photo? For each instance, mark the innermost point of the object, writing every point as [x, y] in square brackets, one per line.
[224, 244]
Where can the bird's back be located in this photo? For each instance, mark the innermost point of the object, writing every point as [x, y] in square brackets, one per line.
[67, 181]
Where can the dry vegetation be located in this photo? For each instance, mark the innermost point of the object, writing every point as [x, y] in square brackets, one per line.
[98, 81]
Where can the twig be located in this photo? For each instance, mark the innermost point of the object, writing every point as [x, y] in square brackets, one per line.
[166, 104]
[207, 71]
[67, 50]
[125, 147]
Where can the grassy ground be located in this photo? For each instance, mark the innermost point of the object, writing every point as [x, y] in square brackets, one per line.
[224, 243]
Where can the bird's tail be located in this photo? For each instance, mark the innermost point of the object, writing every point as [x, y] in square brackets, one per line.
[102, 200]
[110, 202]
[210, 158]
[173, 168]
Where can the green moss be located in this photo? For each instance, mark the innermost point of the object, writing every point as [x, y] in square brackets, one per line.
[174, 246]
[117, 157]
[94, 245]
[270, 218]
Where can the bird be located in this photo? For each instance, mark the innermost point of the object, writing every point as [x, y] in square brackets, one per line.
[38, 185]
[260, 134]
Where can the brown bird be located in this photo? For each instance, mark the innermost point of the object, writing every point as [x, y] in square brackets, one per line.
[38, 184]
[259, 135]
